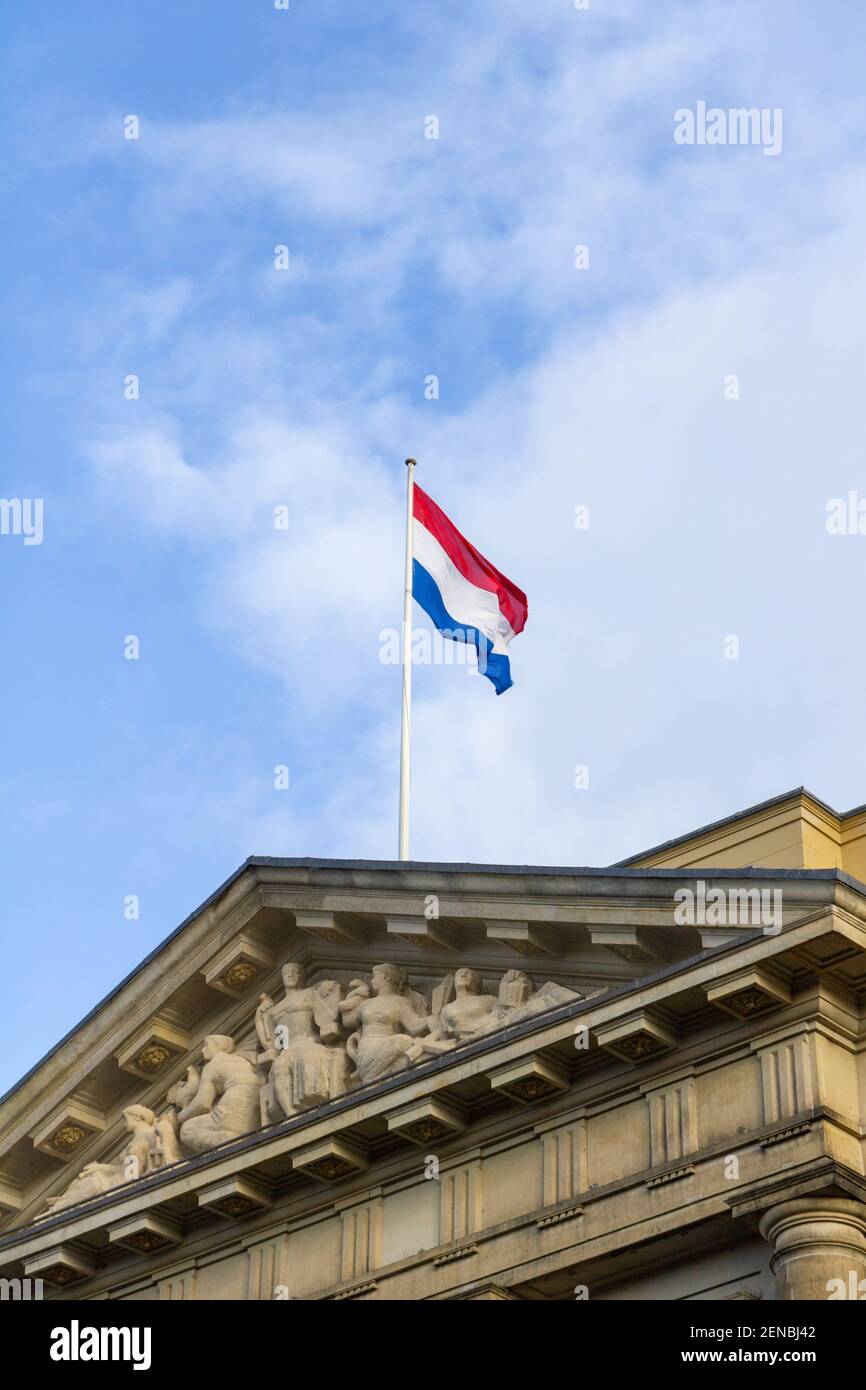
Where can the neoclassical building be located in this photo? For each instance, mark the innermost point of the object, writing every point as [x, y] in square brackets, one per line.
[359, 1080]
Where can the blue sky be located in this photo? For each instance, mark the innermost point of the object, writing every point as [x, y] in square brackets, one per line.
[558, 388]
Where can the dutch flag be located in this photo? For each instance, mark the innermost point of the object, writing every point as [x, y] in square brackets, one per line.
[465, 596]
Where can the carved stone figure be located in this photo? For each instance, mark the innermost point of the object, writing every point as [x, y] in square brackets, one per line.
[168, 1145]
[518, 999]
[226, 1102]
[304, 1060]
[182, 1092]
[388, 1018]
[135, 1159]
[302, 1041]
[465, 1012]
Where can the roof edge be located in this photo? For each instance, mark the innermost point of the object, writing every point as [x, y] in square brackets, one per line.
[732, 820]
[422, 866]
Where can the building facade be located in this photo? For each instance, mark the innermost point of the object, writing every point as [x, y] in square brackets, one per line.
[360, 1080]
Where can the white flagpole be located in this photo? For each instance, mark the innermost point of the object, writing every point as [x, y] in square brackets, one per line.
[405, 722]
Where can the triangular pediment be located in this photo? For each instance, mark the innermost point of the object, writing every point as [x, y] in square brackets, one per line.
[537, 943]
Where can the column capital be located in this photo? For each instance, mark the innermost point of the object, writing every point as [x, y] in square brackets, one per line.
[819, 1247]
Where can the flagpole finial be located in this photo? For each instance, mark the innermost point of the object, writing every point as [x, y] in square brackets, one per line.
[411, 463]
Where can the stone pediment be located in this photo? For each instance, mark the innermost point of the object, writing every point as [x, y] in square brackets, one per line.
[272, 1005]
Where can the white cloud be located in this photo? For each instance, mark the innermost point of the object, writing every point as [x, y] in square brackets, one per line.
[706, 514]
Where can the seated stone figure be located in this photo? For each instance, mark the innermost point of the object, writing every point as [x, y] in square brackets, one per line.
[302, 1041]
[137, 1157]
[388, 1018]
[226, 1103]
[465, 1012]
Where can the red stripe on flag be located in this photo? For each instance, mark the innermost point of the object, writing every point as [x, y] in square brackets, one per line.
[471, 564]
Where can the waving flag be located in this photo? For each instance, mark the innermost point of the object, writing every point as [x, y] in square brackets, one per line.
[465, 596]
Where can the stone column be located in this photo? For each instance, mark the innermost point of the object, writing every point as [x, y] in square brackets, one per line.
[819, 1247]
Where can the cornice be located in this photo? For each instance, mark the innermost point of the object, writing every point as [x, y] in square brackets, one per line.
[553, 1029]
[238, 899]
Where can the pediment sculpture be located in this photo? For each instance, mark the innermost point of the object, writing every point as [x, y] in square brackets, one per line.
[303, 1057]
[226, 1101]
[145, 1151]
[388, 1018]
[462, 1012]
[316, 1042]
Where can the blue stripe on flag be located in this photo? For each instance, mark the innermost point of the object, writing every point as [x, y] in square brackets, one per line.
[495, 666]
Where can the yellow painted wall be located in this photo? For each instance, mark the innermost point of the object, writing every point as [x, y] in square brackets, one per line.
[797, 833]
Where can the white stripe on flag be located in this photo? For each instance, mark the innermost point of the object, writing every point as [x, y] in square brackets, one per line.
[468, 605]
